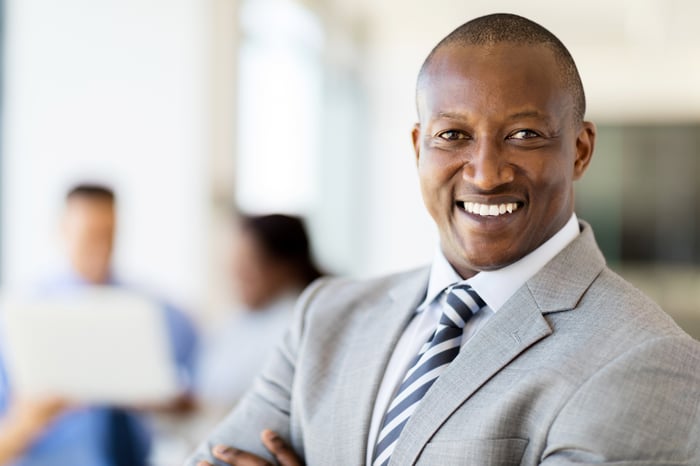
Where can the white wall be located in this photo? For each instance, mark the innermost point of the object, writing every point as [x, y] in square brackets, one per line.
[112, 91]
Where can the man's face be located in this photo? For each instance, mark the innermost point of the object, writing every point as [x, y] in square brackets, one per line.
[498, 150]
[89, 226]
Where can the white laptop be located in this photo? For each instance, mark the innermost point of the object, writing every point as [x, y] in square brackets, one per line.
[100, 345]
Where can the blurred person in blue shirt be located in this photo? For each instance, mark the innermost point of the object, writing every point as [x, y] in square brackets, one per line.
[93, 435]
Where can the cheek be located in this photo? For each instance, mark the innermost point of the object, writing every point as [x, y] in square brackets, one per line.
[553, 196]
[430, 191]
[436, 175]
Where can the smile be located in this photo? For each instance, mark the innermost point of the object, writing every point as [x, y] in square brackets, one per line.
[489, 210]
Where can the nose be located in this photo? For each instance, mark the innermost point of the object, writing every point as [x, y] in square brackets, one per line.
[487, 168]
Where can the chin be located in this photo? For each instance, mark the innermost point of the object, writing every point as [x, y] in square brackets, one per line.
[489, 266]
[478, 262]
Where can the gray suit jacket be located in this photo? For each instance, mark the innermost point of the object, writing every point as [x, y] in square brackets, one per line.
[578, 367]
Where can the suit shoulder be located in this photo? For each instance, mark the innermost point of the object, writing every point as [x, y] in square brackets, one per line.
[338, 287]
[625, 305]
[343, 293]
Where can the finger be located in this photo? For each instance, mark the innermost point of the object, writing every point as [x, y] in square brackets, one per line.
[235, 457]
[203, 463]
[284, 454]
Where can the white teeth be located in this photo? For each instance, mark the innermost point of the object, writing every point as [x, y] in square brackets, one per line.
[490, 210]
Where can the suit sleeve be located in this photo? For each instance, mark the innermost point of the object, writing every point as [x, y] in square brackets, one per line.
[640, 409]
[267, 405]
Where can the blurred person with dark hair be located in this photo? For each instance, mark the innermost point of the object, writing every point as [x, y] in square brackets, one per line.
[93, 435]
[273, 258]
[271, 264]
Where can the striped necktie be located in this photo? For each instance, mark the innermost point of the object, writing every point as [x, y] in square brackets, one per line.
[460, 303]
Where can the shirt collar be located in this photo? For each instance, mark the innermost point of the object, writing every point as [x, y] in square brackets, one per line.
[67, 278]
[497, 286]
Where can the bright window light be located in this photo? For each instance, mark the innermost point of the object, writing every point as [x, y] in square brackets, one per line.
[279, 107]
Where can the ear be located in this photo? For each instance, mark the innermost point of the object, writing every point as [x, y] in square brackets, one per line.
[415, 135]
[585, 143]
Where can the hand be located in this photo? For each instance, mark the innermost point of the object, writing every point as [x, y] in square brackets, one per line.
[35, 413]
[182, 404]
[282, 452]
[24, 421]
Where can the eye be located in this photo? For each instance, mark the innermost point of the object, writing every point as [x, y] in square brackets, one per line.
[524, 134]
[452, 135]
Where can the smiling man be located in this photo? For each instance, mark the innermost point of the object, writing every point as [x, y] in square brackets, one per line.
[518, 346]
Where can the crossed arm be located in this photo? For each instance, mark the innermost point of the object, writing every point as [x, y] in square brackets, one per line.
[281, 451]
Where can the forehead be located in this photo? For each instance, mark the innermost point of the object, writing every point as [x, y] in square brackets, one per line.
[493, 78]
[92, 209]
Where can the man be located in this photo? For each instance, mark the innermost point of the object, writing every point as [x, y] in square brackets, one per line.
[559, 361]
[96, 436]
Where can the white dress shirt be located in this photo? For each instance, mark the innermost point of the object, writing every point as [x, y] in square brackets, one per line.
[495, 288]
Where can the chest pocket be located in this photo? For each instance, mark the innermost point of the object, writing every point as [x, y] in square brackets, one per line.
[473, 452]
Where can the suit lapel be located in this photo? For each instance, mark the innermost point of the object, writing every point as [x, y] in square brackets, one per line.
[381, 326]
[513, 329]
[518, 325]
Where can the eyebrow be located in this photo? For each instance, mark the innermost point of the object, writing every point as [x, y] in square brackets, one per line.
[528, 114]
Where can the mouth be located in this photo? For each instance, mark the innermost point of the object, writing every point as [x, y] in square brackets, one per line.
[489, 210]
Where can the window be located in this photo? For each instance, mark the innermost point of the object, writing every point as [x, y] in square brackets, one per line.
[279, 101]
[641, 193]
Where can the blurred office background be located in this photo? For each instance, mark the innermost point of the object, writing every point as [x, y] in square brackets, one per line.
[190, 107]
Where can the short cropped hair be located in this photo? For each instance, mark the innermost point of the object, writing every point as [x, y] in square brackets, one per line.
[509, 28]
[91, 191]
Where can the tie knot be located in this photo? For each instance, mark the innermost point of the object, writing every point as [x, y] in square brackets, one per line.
[461, 303]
